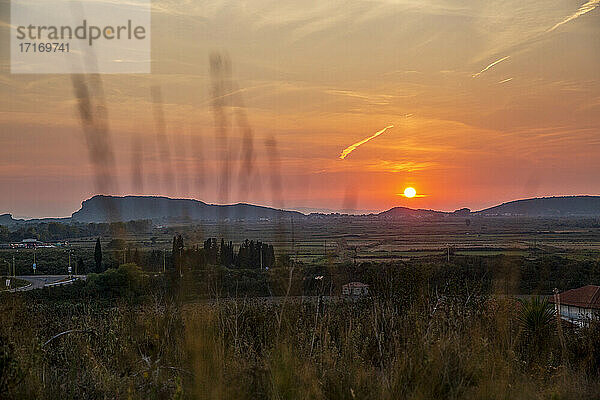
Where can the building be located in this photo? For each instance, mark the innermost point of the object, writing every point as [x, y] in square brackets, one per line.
[31, 243]
[355, 289]
[578, 305]
[26, 244]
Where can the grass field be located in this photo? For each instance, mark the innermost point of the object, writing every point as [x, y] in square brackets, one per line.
[441, 322]
[419, 338]
[317, 242]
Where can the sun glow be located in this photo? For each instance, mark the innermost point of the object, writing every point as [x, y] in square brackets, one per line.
[410, 192]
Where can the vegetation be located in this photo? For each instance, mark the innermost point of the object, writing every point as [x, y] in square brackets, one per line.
[191, 315]
[432, 331]
[58, 231]
[98, 255]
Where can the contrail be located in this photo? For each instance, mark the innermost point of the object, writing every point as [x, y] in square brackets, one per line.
[505, 80]
[491, 65]
[351, 148]
[591, 5]
[584, 9]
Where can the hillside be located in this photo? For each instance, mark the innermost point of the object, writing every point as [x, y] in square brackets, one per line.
[7, 219]
[565, 206]
[163, 209]
[114, 208]
[405, 212]
[543, 207]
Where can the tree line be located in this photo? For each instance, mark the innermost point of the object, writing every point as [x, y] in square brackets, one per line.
[250, 254]
[54, 231]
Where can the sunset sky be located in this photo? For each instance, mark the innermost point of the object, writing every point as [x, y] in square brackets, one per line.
[311, 78]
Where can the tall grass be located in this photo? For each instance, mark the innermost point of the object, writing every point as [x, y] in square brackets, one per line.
[415, 341]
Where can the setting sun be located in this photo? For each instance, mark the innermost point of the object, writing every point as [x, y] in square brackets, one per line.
[410, 192]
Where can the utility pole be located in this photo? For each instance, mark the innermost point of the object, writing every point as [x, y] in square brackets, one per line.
[69, 269]
[14, 268]
[164, 260]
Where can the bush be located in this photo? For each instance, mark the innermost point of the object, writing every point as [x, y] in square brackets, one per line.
[127, 281]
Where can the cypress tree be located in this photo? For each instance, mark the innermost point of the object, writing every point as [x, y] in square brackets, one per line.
[98, 256]
[177, 253]
[80, 266]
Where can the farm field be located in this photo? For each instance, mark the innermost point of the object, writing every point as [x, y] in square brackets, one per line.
[357, 240]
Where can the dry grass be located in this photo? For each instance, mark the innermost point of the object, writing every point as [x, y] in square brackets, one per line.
[425, 344]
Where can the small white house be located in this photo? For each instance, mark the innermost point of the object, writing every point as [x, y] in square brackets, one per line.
[355, 289]
[578, 305]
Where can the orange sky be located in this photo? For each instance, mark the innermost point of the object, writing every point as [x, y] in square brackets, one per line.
[312, 78]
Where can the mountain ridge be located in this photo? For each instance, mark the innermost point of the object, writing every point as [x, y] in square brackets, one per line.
[554, 206]
[102, 208]
[105, 208]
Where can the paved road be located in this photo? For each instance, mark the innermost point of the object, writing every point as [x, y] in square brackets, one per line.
[39, 281]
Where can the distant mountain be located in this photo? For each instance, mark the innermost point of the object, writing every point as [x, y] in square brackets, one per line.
[7, 219]
[405, 212]
[565, 206]
[166, 210]
[114, 208]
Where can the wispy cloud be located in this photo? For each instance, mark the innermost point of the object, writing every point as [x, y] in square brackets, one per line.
[351, 148]
[520, 46]
[584, 9]
[380, 99]
[491, 65]
[400, 166]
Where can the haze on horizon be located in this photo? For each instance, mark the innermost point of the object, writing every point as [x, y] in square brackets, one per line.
[489, 103]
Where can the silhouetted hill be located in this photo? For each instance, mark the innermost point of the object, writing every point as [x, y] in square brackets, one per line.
[565, 206]
[7, 219]
[163, 209]
[405, 212]
[114, 208]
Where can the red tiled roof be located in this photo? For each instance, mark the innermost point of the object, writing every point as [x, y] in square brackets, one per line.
[586, 297]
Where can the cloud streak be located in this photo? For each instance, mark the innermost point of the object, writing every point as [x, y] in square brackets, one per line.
[491, 65]
[351, 148]
[400, 166]
[584, 9]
